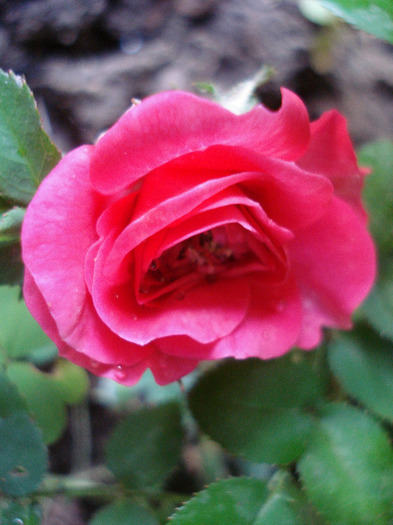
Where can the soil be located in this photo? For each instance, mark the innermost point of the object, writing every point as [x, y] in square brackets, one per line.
[86, 60]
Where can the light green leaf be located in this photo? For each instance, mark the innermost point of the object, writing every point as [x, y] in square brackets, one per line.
[10, 223]
[26, 152]
[124, 512]
[23, 458]
[372, 16]
[46, 394]
[363, 364]
[145, 447]
[20, 334]
[347, 469]
[259, 409]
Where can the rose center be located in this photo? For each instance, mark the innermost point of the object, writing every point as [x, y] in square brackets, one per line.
[203, 258]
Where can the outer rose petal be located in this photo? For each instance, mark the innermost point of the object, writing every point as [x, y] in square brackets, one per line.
[331, 153]
[36, 304]
[58, 229]
[335, 264]
[270, 327]
[168, 125]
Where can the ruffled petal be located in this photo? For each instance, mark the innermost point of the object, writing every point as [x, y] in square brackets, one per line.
[331, 153]
[270, 327]
[335, 265]
[59, 227]
[168, 125]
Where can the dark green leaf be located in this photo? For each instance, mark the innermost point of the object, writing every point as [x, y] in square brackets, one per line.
[18, 512]
[26, 152]
[11, 266]
[23, 457]
[378, 191]
[378, 307]
[125, 512]
[245, 501]
[347, 469]
[145, 447]
[236, 501]
[372, 16]
[259, 409]
[363, 364]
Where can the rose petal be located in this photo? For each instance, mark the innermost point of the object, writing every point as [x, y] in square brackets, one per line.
[335, 264]
[204, 313]
[56, 237]
[331, 153]
[169, 125]
[270, 327]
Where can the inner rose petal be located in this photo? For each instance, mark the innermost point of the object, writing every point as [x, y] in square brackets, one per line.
[219, 252]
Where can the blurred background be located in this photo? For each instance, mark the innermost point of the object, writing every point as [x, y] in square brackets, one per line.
[86, 59]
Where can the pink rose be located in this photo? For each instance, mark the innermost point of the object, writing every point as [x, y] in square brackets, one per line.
[189, 233]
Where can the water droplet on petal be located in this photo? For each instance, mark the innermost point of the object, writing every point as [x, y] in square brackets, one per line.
[94, 364]
[120, 373]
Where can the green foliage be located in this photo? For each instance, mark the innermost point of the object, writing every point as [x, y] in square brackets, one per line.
[20, 335]
[23, 457]
[246, 501]
[124, 512]
[378, 308]
[378, 191]
[259, 409]
[372, 16]
[347, 469]
[15, 512]
[363, 364]
[47, 394]
[10, 223]
[26, 152]
[10, 398]
[145, 447]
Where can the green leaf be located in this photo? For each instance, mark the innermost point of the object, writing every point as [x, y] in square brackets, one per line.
[378, 191]
[23, 457]
[11, 266]
[71, 381]
[10, 224]
[245, 501]
[145, 447]
[259, 409]
[46, 394]
[10, 399]
[363, 364]
[124, 513]
[378, 307]
[372, 16]
[20, 334]
[18, 512]
[347, 469]
[26, 152]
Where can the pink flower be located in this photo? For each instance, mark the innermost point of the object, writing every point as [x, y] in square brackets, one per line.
[189, 233]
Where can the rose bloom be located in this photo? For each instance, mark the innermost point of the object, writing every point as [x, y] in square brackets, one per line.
[189, 233]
